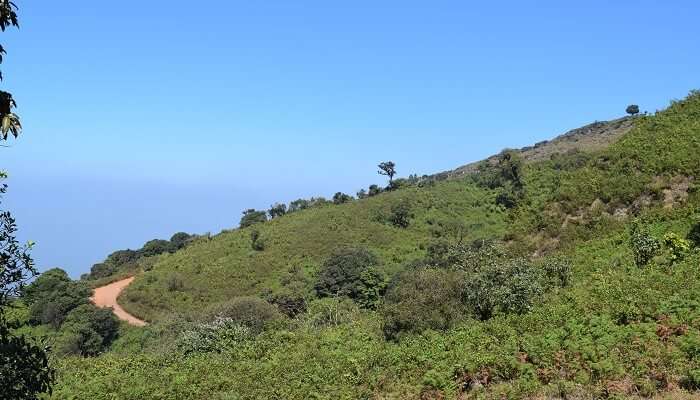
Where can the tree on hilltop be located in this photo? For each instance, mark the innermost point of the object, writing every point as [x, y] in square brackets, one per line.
[387, 168]
[632, 109]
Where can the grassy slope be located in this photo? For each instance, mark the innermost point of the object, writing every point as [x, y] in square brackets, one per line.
[618, 330]
[225, 266]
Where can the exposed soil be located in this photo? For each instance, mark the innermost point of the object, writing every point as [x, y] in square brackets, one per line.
[106, 296]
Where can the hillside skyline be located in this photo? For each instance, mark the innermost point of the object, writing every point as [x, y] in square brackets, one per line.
[167, 121]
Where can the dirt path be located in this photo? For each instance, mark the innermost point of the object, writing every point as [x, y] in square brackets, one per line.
[106, 296]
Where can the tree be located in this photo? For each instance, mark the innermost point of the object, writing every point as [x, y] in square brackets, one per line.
[24, 368]
[509, 287]
[88, 330]
[277, 210]
[362, 194]
[298, 205]
[344, 273]
[632, 109]
[387, 168]
[374, 190]
[422, 299]
[52, 296]
[180, 239]
[157, 246]
[252, 217]
[340, 198]
[643, 245]
[401, 214]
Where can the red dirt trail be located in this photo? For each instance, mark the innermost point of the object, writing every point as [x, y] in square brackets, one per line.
[106, 296]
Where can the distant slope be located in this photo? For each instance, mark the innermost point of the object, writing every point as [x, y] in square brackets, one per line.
[214, 270]
[591, 137]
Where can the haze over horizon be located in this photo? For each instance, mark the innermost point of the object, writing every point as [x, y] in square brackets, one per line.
[141, 120]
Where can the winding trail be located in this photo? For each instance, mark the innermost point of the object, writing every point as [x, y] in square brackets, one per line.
[106, 296]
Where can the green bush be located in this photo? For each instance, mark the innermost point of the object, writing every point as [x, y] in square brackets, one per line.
[422, 299]
[52, 296]
[510, 286]
[401, 215]
[256, 243]
[677, 247]
[330, 312]
[351, 272]
[88, 330]
[157, 246]
[557, 270]
[252, 217]
[341, 198]
[217, 336]
[694, 234]
[643, 245]
[248, 311]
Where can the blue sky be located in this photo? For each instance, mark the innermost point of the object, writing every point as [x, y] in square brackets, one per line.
[143, 118]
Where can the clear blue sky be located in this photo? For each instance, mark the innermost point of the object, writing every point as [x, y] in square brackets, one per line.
[143, 118]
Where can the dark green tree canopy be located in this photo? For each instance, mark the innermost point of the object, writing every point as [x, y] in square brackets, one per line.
[251, 217]
[298, 205]
[374, 190]
[88, 330]
[157, 246]
[180, 239]
[340, 198]
[341, 273]
[387, 168]
[277, 210]
[24, 366]
[632, 109]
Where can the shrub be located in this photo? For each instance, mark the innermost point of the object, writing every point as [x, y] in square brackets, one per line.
[248, 311]
[47, 283]
[88, 330]
[374, 190]
[252, 217]
[340, 198]
[289, 304]
[217, 336]
[557, 271]
[157, 246]
[694, 234]
[420, 300]
[503, 286]
[277, 210]
[350, 272]
[401, 215]
[373, 287]
[643, 245]
[298, 205]
[180, 239]
[256, 243]
[330, 312]
[677, 246]
[52, 296]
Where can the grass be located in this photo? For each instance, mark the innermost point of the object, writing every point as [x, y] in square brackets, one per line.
[618, 331]
[226, 265]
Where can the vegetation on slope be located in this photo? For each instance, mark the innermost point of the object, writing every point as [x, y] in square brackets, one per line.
[573, 276]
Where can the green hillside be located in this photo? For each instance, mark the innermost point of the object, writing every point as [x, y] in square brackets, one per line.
[215, 269]
[569, 277]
